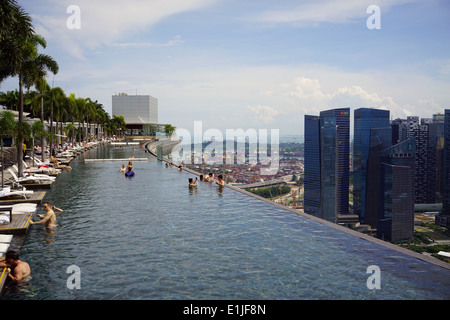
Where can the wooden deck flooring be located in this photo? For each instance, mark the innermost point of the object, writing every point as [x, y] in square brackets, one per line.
[36, 197]
[20, 224]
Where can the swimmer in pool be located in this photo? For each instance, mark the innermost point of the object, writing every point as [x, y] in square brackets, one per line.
[19, 271]
[221, 182]
[193, 183]
[50, 216]
[123, 169]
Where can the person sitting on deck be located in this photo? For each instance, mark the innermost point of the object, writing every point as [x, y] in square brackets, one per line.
[19, 271]
[50, 217]
[59, 166]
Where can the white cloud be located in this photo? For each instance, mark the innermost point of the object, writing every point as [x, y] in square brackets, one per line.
[313, 12]
[104, 22]
[263, 113]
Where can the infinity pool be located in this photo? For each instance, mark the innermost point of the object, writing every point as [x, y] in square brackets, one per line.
[152, 237]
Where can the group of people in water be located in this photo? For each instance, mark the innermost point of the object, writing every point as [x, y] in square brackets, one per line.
[205, 178]
[128, 168]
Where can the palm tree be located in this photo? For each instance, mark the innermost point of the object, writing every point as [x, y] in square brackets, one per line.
[57, 97]
[169, 129]
[72, 110]
[6, 127]
[28, 65]
[81, 105]
[13, 20]
[37, 131]
[10, 99]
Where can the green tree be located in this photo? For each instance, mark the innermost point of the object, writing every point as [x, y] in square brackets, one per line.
[37, 131]
[7, 123]
[28, 65]
[169, 129]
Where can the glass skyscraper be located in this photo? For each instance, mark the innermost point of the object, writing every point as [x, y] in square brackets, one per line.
[327, 139]
[312, 166]
[396, 201]
[365, 120]
[444, 218]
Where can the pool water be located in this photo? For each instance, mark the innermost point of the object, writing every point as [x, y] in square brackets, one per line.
[153, 237]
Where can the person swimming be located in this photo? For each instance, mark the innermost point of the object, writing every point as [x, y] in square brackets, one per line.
[192, 182]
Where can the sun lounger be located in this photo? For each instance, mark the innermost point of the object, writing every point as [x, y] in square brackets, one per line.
[50, 171]
[20, 208]
[5, 238]
[3, 248]
[31, 178]
[6, 192]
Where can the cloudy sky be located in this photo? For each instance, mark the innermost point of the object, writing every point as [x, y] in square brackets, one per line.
[251, 63]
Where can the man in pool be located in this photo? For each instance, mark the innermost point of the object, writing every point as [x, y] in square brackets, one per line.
[193, 183]
[50, 217]
[221, 182]
[18, 270]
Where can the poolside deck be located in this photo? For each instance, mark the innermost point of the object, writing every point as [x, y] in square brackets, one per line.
[3, 277]
[19, 224]
[36, 197]
[37, 186]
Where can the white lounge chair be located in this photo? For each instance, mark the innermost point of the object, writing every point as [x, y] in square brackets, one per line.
[6, 192]
[31, 178]
[20, 208]
[6, 238]
[49, 171]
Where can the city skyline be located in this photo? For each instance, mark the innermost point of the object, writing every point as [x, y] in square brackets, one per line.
[250, 65]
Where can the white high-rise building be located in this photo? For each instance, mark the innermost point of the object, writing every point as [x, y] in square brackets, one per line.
[139, 111]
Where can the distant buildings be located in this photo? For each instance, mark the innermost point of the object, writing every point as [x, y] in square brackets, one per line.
[365, 120]
[396, 197]
[139, 111]
[327, 149]
[396, 164]
[443, 218]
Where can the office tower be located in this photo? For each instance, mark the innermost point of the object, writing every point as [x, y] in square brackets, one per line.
[333, 137]
[399, 130]
[365, 120]
[312, 166]
[380, 139]
[435, 147]
[443, 218]
[396, 202]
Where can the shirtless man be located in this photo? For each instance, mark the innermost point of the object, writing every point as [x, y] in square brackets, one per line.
[17, 270]
[221, 182]
[50, 217]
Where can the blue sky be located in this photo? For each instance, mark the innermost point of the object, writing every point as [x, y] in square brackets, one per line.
[251, 64]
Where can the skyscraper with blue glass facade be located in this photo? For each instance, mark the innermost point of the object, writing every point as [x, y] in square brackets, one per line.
[312, 190]
[327, 139]
[366, 119]
[444, 217]
[396, 198]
